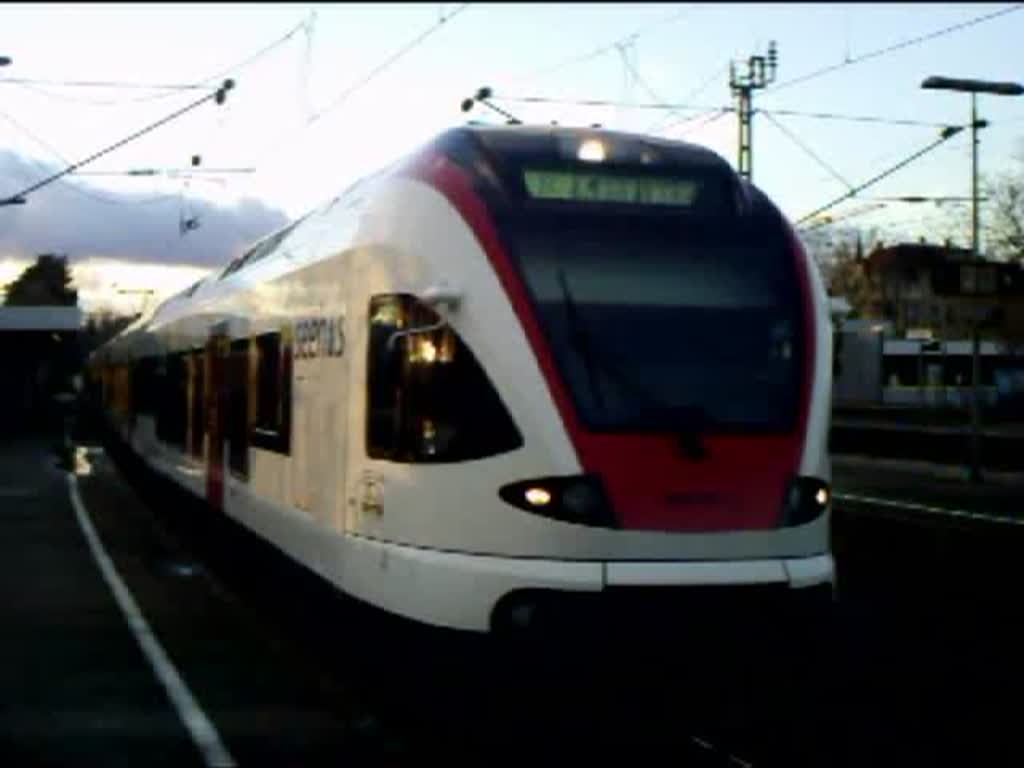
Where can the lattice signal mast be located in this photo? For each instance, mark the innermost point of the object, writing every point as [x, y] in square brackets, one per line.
[760, 72]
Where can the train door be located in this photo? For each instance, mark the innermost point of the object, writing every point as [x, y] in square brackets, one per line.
[364, 481]
[216, 359]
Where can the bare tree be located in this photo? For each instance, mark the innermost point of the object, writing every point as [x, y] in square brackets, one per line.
[850, 277]
[1005, 233]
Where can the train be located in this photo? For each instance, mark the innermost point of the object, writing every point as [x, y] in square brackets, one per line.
[519, 361]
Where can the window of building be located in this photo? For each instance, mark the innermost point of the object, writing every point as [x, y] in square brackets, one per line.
[900, 371]
[968, 279]
[272, 427]
[428, 399]
[913, 314]
[987, 280]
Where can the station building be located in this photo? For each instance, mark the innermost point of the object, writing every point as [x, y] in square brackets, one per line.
[40, 347]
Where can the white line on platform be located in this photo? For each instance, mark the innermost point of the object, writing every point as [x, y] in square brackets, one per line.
[712, 748]
[943, 511]
[199, 726]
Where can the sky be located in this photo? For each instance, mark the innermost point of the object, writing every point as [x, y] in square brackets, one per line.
[355, 86]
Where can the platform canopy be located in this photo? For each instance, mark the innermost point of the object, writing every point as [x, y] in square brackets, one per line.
[40, 318]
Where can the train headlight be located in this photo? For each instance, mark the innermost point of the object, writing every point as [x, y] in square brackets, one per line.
[574, 499]
[592, 151]
[537, 497]
[806, 499]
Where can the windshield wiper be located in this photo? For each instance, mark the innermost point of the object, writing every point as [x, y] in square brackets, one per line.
[689, 423]
[579, 337]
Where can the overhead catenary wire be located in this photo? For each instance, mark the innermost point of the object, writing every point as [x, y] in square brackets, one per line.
[119, 84]
[659, 105]
[682, 107]
[662, 124]
[808, 151]
[894, 47]
[607, 48]
[166, 171]
[63, 98]
[253, 57]
[888, 172]
[639, 79]
[81, 191]
[218, 95]
[68, 185]
[709, 118]
[167, 89]
[384, 65]
[852, 118]
[364, 81]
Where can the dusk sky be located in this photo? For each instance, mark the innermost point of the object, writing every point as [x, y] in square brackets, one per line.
[290, 118]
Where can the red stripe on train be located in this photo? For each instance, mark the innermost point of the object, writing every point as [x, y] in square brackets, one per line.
[652, 486]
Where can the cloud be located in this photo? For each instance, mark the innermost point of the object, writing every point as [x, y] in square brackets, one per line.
[71, 217]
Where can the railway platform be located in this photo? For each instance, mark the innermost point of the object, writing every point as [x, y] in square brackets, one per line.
[120, 649]
[76, 688]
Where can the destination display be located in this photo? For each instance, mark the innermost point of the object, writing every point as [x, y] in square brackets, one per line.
[609, 187]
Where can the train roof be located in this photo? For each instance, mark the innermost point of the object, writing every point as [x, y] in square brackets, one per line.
[545, 139]
[520, 144]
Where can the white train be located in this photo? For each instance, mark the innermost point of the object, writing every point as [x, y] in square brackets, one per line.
[521, 361]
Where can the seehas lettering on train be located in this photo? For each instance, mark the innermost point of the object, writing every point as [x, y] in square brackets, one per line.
[319, 337]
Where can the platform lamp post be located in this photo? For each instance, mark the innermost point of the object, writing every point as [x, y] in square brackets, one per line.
[974, 87]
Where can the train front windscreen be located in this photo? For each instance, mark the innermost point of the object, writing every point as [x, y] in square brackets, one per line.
[661, 317]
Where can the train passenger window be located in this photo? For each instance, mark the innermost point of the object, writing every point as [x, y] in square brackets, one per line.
[144, 379]
[197, 389]
[428, 399]
[238, 407]
[272, 427]
[122, 393]
[172, 408]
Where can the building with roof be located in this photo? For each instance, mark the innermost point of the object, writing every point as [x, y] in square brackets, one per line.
[939, 292]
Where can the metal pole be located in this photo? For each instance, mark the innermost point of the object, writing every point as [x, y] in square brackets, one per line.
[745, 154]
[975, 473]
[945, 387]
[920, 374]
[974, 174]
